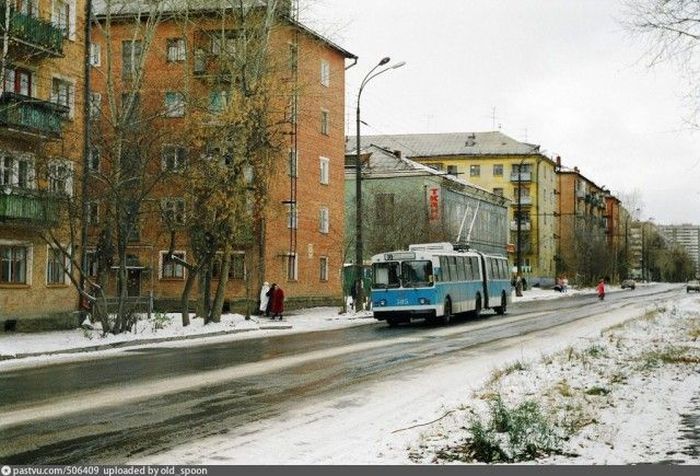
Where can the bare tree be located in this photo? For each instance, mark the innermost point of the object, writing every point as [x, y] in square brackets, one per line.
[671, 29]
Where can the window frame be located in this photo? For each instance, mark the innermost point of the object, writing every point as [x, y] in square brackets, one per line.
[178, 271]
[324, 220]
[325, 122]
[325, 170]
[178, 46]
[26, 259]
[56, 272]
[475, 170]
[323, 263]
[325, 73]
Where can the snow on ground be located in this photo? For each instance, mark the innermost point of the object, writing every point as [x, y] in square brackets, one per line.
[633, 398]
[46, 347]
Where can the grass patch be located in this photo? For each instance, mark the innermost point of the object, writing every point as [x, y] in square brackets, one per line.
[597, 391]
[564, 389]
[668, 356]
[596, 351]
[507, 435]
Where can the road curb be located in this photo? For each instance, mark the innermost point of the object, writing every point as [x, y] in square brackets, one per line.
[134, 343]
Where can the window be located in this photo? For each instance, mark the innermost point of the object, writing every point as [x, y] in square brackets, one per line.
[61, 17]
[323, 269]
[176, 50]
[218, 101]
[27, 7]
[62, 92]
[94, 159]
[95, 54]
[174, 157]
[325, 170]
[498, 191]
[131, 58]
[174, 104]
[224, 45]
[93, 216]
[498, 170]
[13, 264]
[17, 171]
[95, 105]
[236, 268]
[173, 211]
[18, 81]
[325, 125]
[323, 220]
[384, 205]
[325, 73]
[170, 267]
[61, 177]
[55, 267]
[474, 170]
[292, 217]
[293, 164]
[131, 103]
[291, 265]
[200, 61]
[452, 170]
[92, 263]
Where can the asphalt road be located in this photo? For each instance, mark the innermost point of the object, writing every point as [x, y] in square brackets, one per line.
[145, 401]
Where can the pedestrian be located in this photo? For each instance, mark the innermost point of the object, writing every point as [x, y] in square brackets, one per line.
[276, 301]
[269, 294]
[264, 299]
[559, 286]
[601, 289]
[564, 284]
[519, 286]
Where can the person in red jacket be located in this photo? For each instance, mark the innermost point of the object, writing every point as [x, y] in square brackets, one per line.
[276, 301]
[601, 289]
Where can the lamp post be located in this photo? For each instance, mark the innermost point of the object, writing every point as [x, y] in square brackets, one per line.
[358, 180]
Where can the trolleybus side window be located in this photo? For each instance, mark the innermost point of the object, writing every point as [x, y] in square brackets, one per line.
[461, 270]
[445, 268]
[416, 273]
[475, 268]
[453, 268]
[386, 275]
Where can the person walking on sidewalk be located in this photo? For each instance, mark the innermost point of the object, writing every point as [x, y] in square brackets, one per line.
[276, 301]
[264, 299]
[601, 289]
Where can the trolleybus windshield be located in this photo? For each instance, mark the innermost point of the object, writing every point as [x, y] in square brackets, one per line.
[416, 274]
[386, 275]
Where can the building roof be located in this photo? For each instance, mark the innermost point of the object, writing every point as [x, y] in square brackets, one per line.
[129, 8]
[448, 144]
[385, 163]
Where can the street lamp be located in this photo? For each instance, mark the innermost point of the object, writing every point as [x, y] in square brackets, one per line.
[358, 178]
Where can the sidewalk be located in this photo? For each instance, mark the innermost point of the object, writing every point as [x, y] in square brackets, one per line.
[168, 328]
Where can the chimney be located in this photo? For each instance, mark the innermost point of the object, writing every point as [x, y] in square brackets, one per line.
[558, 162]
[576, 170]
[397, 153]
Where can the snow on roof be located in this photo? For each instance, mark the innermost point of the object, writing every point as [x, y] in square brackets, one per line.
[449, 144]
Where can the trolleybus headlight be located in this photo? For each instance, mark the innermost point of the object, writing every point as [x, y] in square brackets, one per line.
[423, 301]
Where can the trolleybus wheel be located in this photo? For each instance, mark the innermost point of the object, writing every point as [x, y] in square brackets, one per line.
[504, 302]
[477, 308]
[447, 313]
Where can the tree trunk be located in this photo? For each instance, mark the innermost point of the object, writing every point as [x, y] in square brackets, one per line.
[221, 289]
[185, 297]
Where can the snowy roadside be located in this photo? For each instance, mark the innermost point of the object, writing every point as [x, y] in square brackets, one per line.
[611, 368]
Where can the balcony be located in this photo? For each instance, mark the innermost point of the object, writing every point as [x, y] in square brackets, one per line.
[524, 225]
[33, 35]
[521, 176]
[524, 200]
[31, 115]
[29, 206]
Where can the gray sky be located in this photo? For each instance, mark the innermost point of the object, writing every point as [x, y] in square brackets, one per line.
[560, 73]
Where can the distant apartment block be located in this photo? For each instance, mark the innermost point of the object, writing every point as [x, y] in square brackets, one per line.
[686, 235]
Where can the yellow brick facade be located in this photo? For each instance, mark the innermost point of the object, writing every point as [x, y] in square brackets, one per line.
[31, 135]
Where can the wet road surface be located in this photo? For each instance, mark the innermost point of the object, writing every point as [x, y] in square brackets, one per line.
[50, 414]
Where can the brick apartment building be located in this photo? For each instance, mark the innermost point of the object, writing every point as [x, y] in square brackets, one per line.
[304, 218]
[41, 146]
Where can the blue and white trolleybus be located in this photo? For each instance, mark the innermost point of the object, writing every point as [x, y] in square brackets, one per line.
[435, 281]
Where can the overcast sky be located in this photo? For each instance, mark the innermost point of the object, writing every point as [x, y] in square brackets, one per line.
[559, 73]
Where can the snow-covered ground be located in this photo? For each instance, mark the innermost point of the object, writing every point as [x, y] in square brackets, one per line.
[619, 381]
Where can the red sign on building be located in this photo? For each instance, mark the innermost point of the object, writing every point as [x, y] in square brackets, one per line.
[434, 204]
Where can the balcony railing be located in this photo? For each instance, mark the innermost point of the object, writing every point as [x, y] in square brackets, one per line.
[524, 225]
[40, 35]
[523, 200]
[31, 206]
[31, 115]
[521, 176]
